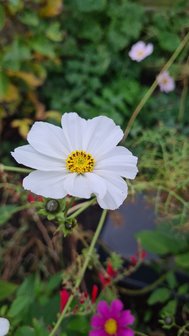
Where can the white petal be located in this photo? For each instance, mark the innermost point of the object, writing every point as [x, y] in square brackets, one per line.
[4, 326]
[74, 128]
[116, 191]
[77, 185]
[47, 184]
[49, 140]
[149, 49]
[29, 157]
[120, 161]
[101, 136]
[97, 184]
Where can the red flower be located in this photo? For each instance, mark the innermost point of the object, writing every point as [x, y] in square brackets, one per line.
[64, 296]
[139, 256]
[30, 198]
[110, 273]
[34, 198]
[110, 270]
[134, 260]
[94, 293]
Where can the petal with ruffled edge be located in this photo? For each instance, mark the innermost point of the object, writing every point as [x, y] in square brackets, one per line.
[126, 332]
[101, 135]
[47, 184]
[97, 184]
[103, 309]
[126, 318]
[29, 157]
[97, 333]
[48, 140]
[117, 191]
[116, 305]
[120, 161]
[149, 49]
[4, 326]
[74, 128]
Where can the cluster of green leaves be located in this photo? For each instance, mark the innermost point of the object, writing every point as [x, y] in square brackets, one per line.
[29, 36]
[163, 167]
[96, 75]
[35, 307]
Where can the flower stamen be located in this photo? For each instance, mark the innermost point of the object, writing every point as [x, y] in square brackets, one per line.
[80, 162]
[110, 326]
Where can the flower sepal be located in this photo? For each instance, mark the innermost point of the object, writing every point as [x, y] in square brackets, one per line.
[67, 226]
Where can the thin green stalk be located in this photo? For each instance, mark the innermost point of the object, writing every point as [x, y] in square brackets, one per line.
[82, 208]
[183, 101]
[82, 272]
[154, 85]
[14, 169]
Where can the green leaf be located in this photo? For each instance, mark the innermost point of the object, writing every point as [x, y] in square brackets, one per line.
[4, 83]
[54, 282]
[90, 5]
[182, 260]
[168, 40]
[20, 304]
[183, 289]
[54, 32]
[171, 279]
[2, 17]
[6, 289]
[159, 242]
[42, 45]
[170, 307]
[29, 18]
[23, 331]
[15, 53]
[78, 323]
[6, 212]
[159, 295]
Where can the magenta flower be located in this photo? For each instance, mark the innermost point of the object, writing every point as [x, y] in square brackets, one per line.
[111, 320]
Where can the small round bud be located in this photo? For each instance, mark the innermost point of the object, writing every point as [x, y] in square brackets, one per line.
[52, 206]
[69, 224]
[168, 320]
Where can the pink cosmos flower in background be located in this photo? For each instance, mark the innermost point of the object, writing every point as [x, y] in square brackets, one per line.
[166, 82]
[111, 320]
[140, 51]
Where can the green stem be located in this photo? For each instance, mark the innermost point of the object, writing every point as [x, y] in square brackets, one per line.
[183, 101]
[82, 272]
[153, 86]
[146, 289]
[82, 208]
[14, 169]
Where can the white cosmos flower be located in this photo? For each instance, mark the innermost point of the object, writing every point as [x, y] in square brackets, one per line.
[80, 159]
[166, 82]
[4, 326]
[140, 51]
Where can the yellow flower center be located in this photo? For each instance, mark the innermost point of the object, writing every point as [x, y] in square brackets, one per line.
[110, 327]
[80, 162]
[165, 81]
[140, 53]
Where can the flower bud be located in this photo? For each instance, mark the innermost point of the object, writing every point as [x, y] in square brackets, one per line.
[52, 205]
